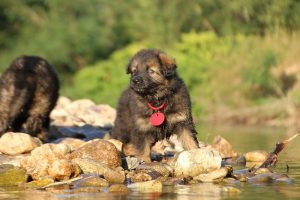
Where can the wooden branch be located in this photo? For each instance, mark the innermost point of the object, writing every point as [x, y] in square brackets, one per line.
[272, 157]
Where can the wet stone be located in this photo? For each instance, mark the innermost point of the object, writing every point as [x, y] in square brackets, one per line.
[119, 188]
[12, 176]
[91, 181]
[147, 186]
[90, 166]
[100, 151]
[40, 183]
[140, 176]
[213, 176]
[161, 168]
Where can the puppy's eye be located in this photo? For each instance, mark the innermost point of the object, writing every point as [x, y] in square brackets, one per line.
[151, 71]
[134, 71]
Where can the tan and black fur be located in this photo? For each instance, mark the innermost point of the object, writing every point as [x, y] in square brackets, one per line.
[153, 80]
[28, 92]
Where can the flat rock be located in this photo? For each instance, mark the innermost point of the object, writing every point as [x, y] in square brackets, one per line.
[212, 176]
[91, 181]
[12, 160]
[141, 176]
[89, 166]
[119, 188]
[162, 168]
[100, 151]
[17, 143]
[147, 186]
[196, 161]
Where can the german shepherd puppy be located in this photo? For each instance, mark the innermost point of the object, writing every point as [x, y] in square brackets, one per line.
[28, 93]
[154, 106]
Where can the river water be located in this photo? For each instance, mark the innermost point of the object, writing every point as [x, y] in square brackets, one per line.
[243, 139]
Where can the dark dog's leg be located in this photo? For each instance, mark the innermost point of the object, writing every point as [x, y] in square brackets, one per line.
[188, 139]
[12, 103]
[37, 123]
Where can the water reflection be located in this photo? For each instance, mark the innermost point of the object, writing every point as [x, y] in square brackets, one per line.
[243, 139]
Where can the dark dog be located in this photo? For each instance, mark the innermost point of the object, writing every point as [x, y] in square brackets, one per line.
[155, 106]
[28, 93]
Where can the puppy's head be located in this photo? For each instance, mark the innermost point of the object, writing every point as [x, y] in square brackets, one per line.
[150, 71]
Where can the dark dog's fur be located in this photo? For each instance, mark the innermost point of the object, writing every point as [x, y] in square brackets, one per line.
[153, 80]
[28, 93]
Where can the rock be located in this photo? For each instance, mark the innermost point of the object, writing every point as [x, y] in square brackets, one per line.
[196, 161]
[91, 180]
[256, 156]
[100, 151]
[18, 143]
[61, 169]
[260, 178]
[269, 178]
[141, 176]
[213, 176]
[148, 186]
[90, 166]
[81, 112]
[224, 147]
[12, 176]
[119, 188]
[130, 163]
[42, 158]
[262, 171]
[40, 183]
[115, 176]
[162, 168]
[12, 160]
[74, 143]
[118, 144]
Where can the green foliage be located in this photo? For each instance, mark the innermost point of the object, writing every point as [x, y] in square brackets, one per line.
[104, 81]
[258, 75]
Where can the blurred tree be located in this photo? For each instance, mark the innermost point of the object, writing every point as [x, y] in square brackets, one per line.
[74, 34]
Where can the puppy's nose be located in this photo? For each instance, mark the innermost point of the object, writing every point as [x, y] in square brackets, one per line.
[137, 79]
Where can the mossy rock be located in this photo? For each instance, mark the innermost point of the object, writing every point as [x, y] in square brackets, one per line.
[12, 176]
[40, 183]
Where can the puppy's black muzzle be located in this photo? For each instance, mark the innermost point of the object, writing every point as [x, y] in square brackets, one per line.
[137, 80]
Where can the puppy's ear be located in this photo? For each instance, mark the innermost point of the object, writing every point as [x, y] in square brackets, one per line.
[169, 65]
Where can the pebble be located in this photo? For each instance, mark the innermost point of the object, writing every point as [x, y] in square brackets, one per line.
[17, 143]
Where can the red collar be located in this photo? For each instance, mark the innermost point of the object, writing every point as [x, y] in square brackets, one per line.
[156, 108]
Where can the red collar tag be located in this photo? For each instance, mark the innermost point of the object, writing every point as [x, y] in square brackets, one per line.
[157, 118]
